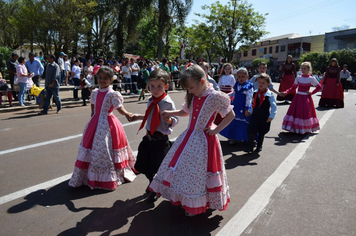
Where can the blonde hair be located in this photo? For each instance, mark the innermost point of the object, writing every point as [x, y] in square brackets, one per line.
[192, 73]
[243, 71]
[308, 64]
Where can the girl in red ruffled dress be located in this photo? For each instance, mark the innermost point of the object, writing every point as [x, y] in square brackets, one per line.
[288, 74]
[333, 92]
[105, 159]
[193, 174]
[301, 116]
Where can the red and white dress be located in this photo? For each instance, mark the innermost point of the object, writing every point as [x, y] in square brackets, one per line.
[226, 84]
[333, 92]
[301, 116]
[193, 174]
[105, 159]
[289, 73]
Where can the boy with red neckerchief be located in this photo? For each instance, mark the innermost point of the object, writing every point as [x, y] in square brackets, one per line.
[264, 108]
[155, 144]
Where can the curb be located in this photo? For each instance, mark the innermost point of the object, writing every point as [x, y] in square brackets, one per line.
[65, 103]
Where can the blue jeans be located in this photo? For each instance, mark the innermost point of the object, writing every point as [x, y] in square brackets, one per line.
[127, 82]
[49, 93]
[22, 92]
[63, 75]
[76, 82]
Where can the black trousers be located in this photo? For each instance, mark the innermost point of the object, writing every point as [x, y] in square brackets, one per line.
[151, 152]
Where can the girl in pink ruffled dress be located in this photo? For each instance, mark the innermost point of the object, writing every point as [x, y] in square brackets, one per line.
[105, 159]
[193, 174]
[301, 116]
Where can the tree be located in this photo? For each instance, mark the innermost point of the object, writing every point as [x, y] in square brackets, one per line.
[338, 28]
[8, 34]
[320, 61]
[257, 61]
[170, 12]
[234, 24]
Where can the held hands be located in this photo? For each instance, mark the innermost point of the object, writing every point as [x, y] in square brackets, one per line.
[282, 94]
[167, 117]
[129, 116]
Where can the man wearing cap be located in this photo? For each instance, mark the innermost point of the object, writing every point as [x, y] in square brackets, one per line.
[52, 85]
[61, 67]
[11, 68]
[34, 66]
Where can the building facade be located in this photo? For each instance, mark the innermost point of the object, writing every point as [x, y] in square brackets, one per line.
[343, 39]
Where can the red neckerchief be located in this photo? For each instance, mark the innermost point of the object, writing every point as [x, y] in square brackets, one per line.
[262, 98]
[156, 117]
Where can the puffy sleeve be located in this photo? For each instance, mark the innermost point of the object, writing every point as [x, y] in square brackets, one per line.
[93, 96]
[222, 103]
[185, 107]
[117, 100]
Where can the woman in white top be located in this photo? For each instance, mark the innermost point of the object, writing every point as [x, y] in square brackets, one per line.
[126, 73]
[76, 78]
[66, 69]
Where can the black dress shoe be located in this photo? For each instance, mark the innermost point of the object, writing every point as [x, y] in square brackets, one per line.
[248, 149]
[259, 148]
[152, 197]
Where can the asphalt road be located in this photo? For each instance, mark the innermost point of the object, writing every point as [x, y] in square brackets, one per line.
[298, 184]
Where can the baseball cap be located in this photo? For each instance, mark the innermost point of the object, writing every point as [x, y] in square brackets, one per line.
[61, 54]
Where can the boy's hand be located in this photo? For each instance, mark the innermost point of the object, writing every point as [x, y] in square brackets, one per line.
[269, 120]
[247, 113]
[129, 117]
[168, 119]
[282, 94]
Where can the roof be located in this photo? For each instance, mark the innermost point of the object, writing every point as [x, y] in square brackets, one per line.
[284, 36]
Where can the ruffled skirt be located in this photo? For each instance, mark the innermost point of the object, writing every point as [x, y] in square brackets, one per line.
[301, 116]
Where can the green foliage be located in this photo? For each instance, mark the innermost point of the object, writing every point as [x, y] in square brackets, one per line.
[8, 34]
[320, 61]
[5, 55]
[257, 61]
[233, 24]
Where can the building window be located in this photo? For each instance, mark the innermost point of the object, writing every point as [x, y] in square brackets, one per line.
[277, 47]
[253, 52]
[283, 48]
[265, 51]
[306, 47]
[270, 50]
[245, 53]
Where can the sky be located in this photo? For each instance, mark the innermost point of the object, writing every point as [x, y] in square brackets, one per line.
[305, 17]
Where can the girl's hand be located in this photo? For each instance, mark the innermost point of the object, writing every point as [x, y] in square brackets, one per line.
[129, 116]
[210, 131]
[166, 114]
[269, 120]
[282, 94]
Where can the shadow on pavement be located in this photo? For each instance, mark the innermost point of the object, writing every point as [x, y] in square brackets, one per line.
[61, 194]
[167, 219]
[287, 137]
[106, 220]
[238, 160]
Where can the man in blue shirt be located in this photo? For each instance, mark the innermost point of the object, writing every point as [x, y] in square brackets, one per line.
[36, 67]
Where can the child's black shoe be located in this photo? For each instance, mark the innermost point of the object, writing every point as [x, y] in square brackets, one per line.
[258, 149]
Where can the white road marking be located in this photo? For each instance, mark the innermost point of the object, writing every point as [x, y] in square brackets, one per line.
[48, 184]
[259, 200]
[53, 141]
